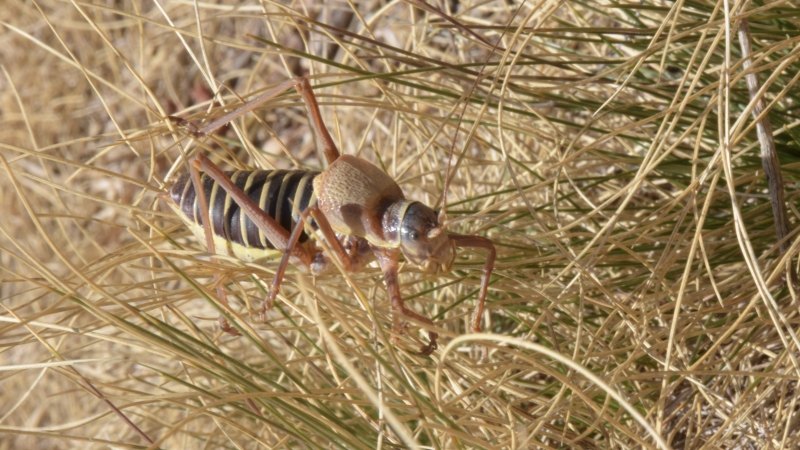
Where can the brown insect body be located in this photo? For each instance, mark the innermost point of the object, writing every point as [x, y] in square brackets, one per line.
[355, 195]
[361, 200]
[282, 194]
[358, 209]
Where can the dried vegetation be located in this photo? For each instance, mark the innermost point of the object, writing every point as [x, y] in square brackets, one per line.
[639, 299]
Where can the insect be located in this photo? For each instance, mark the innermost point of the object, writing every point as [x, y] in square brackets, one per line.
[359, 210]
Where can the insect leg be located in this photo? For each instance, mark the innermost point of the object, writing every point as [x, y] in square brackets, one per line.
[303, 87]
[388, 260]
[325, 139]
[479, 242]
[244, 109]
[201, 199]
[350, 262]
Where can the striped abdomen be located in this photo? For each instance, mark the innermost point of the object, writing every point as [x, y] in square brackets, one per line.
[282, 194]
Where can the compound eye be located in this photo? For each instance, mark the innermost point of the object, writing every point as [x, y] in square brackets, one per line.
[418, 220]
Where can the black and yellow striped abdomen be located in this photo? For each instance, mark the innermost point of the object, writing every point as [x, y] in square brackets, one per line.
[282, 194]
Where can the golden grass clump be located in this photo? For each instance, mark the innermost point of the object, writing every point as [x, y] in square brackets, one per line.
[642, 297]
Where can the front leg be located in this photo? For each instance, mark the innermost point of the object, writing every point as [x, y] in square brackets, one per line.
[479, 242]
[388, 260]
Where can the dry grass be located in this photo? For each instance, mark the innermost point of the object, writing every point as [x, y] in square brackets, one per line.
[632, 299]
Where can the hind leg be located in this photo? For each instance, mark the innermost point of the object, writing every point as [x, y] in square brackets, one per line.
[303, 87]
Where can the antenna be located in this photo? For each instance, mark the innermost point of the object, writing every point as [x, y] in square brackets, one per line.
[443, 213]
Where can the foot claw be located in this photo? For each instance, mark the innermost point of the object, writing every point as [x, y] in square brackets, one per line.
[400, 327]
[267, 305]
[428, 349]
[181, 122]
[227, 328]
